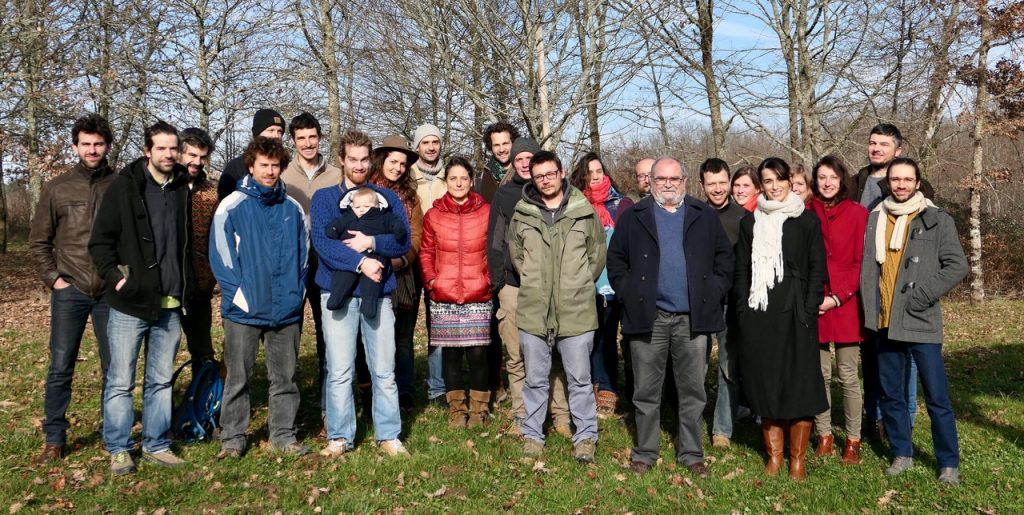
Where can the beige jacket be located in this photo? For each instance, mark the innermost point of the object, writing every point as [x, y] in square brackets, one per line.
[427, 189]
[301, 188]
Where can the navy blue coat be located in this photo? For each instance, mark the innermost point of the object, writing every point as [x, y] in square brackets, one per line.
[633, 259]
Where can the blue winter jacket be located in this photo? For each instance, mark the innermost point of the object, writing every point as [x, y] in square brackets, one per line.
[334, 254]
[259, 246]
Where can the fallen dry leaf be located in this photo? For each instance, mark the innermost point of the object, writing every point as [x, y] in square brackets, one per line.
[538, 466]
[15, 507]
[886, 498]
[438, 493]
[732, 475]
[620, 477]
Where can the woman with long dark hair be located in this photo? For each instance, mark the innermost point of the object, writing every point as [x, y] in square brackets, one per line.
[840, 320]
[779, 283]
[592, 178]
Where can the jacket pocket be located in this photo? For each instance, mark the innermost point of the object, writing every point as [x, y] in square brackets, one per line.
[921, 320]
[128, 289]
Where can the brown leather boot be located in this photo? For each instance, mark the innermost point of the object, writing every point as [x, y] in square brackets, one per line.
[478, 407]
[456, 409]
[774, 442]
[799, 438]
[826, 444]
[50, 452]
[851, 454]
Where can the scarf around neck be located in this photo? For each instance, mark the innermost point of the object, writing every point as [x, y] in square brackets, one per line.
[598, 195]
[766, 253]
[902, 212]
[428, 172]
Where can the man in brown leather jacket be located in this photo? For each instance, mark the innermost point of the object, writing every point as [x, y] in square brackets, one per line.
[59, 244]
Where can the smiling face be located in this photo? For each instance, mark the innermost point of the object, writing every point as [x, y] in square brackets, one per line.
[429, 149]
[743, 189]
[91, 149]
[501, 147]
[265, 170]
[394, 166]
[882, 150]
[903, 182]
[307, 143]
[356, 163]
[669, 185]
[716, 188]
[194, 158]
[828, 182]
[800, 187]
[163, 155]
[775, 188]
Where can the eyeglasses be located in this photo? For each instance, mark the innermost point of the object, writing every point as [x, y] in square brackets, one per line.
[544, 177]
[643, 178]
[670, 180]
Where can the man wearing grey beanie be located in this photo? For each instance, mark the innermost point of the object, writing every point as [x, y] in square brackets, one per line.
[267, 123]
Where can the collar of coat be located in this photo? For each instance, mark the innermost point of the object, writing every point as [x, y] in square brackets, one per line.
[695, 209]
[574, 205]
[138, 171]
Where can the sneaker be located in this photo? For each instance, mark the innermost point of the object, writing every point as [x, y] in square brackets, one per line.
[900, 465]
[532, 449]
[121, 463]
[335, 448]
[393, 447]
[164, 458]
[583, 450]
[294, 449]
[722, 442]
[949, 476]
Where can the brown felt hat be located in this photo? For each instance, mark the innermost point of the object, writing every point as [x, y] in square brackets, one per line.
[396, 143]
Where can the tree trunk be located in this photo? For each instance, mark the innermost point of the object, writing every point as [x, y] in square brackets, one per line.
[977, 172]
[542, 91]
[938, 86]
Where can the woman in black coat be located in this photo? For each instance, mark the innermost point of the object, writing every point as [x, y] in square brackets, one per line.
[779, 284]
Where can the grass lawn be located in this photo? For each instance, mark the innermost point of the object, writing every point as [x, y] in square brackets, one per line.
[479, 471]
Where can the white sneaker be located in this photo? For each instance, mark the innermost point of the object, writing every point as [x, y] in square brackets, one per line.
[393, 447]
[335, 448]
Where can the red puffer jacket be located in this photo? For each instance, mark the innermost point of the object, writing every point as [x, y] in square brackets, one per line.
[453, 250]
[843, 228]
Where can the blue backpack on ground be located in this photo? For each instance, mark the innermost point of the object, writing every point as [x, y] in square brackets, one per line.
[198, 413]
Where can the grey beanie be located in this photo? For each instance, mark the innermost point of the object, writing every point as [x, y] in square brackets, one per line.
[524, 144]
[422, 132]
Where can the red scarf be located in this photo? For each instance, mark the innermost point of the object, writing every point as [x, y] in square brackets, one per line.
[598, 195]
[751, 204]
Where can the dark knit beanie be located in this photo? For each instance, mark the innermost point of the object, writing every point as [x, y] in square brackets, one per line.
[524, 145]
[265, 118]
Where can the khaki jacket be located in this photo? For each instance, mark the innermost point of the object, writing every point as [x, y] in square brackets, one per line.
[301, 188]
[559, 255]
[428, 190]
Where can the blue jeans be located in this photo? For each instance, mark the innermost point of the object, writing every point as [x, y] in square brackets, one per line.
[435, 364]
[728, 386]
[604, 359]
[69, 311]
[575, 352]
[892, 364]
[340, 329]
[127, 334]
[872, 387]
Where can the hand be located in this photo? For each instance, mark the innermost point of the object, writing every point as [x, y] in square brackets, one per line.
[827, 304]
[373, 269]
[60, 284]
[430, 284]
[359, 242]
[120, 284]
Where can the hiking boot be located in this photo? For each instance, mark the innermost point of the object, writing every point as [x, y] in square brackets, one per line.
[607, 402]
[121, 463]
[721, 442]
[949, 476]
[335, 448]
[532, 449]
[826, 445]
[851, 454]
[639, 467]
[51, 452]
[698, 469]
[393, 447]
[164, 458]
[478, 409]
[229, 453]
[294, 449]
[900, 464]
[583, 450]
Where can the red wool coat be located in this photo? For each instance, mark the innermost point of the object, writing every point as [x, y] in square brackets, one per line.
[453, 252]
[843, 229]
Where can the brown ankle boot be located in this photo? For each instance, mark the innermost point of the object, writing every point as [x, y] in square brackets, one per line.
[774, 442]
[478, 407]
[851, 454]
[826, 444]
[799, 438]
[456, 409]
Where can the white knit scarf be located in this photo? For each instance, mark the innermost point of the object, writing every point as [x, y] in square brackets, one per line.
[902, 212]
[766, 261]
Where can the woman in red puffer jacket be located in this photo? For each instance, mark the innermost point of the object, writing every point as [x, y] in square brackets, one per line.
[453, 257]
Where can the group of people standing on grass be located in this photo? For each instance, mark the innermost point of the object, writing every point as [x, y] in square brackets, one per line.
[525, 267]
